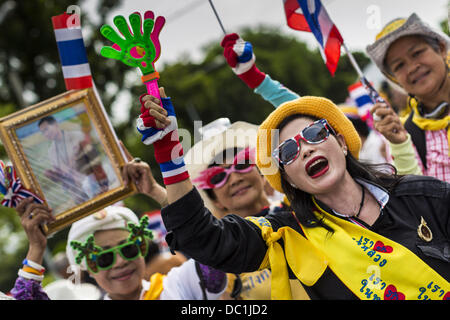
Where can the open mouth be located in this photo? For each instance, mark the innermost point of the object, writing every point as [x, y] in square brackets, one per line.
[316, 167]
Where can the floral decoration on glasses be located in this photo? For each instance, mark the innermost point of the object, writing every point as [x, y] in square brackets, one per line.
[98, 259]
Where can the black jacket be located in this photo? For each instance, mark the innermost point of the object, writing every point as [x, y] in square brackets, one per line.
[235, 245]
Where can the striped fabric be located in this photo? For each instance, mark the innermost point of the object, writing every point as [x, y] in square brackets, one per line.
[72, 52]
[311, 16]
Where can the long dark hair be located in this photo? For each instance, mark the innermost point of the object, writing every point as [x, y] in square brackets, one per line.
[301, 202]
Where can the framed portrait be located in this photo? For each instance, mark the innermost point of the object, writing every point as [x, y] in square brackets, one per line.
[66, 152]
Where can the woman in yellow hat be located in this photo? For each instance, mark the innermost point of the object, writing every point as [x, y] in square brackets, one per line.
[414, 56]
[354, 233]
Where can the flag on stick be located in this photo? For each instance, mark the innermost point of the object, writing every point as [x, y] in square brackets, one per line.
[72, 52]
[311, 16]
[361, 99]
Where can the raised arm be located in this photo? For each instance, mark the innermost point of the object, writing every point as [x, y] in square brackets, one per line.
[158, 126]
[240, 57]
[230, 244]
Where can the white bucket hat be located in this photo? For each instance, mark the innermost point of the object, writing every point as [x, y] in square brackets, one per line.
[396, 29]
[225, 136]
[112, 217]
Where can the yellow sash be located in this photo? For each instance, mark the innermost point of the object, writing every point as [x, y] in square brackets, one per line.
[371, 266]
[430, 124]
[307, 263]
[156, 287]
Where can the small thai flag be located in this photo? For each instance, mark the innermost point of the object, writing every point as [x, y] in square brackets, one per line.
[75, 66]
[311, 16]
[361, 98]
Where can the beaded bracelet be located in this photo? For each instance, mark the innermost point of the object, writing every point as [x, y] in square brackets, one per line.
[34, 265]
[30, 276]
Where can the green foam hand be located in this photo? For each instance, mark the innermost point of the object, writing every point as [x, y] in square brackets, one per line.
[137, 48]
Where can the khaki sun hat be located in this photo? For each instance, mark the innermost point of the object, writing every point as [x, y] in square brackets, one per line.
[396, 29]
[317, 107]
[239, 135]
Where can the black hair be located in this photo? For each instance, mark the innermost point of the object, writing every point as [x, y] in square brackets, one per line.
[48, 119]
[360, 125]
[301, 202]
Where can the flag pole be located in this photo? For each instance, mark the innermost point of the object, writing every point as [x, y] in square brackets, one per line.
[374, 95]
[217, 16]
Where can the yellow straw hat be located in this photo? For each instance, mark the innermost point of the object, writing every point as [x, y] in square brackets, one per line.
[318, 107]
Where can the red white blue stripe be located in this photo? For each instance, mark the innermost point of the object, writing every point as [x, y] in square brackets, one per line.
[173, 171]
[311, 16]
[361, 98]
[72, 52]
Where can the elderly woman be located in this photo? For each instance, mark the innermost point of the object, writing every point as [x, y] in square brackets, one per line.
[415, 57]
[353, 231]
[111, 245]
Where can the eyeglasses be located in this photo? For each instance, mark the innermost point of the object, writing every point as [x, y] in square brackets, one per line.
[106, 259]
[317, 132]
[216, 177]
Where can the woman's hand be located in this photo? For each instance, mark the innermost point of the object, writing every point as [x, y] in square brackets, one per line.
[140, 173]
[32, 216]
[388, 123]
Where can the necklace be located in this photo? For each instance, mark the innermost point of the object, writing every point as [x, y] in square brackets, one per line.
[362, 202]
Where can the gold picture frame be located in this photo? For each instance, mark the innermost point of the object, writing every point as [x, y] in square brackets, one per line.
[65, 151]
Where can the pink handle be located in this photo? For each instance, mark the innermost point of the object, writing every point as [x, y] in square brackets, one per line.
[153, 89]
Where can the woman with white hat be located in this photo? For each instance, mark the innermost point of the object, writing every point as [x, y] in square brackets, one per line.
[111, 245]
[353, 231]
[415, 57]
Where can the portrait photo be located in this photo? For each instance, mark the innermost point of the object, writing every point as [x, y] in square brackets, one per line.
[65, 151]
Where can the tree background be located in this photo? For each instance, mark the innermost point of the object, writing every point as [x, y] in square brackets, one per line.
[30, 72]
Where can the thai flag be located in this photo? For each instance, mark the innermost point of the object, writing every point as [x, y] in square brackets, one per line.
[361, 98]
[75, 66]
[311, 16]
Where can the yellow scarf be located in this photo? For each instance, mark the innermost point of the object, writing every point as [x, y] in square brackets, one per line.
[366, 262]
[156, 287]
[307, 263]
[430, 124]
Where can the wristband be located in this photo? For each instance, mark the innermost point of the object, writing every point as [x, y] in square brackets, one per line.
[31, 270]
[167, 147]
[174, 171]
[34, 265]
[30, 276]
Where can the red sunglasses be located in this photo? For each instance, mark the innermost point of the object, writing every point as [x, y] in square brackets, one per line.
[317, 132]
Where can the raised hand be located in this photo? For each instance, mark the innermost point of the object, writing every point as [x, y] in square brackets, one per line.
[152, 124]
[140, 174]
[240, 57]
[155, 122]
[388, 123]
[141, 47]
[32, 216]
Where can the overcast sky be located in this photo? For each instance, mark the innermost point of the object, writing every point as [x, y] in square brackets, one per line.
[191, 24]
